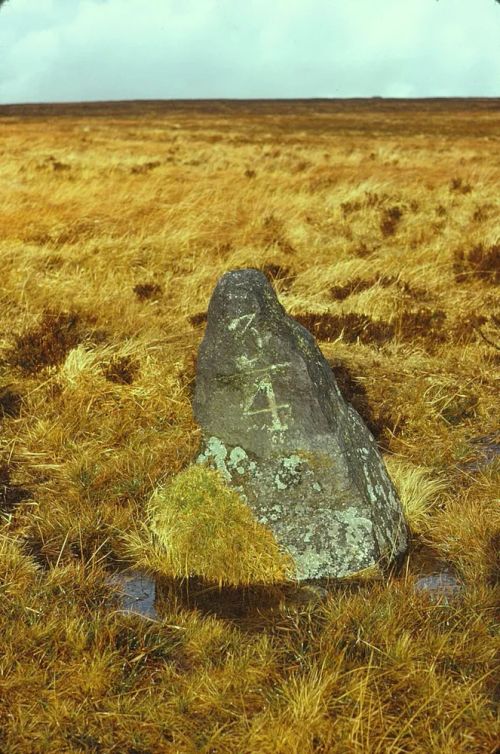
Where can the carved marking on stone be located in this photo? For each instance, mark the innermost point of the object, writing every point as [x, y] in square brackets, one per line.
[272, 367]
[265, 386]
[247, 319]
[258, 370]
[244, 362]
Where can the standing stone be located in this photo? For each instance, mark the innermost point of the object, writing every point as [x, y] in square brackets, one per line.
[276, 426]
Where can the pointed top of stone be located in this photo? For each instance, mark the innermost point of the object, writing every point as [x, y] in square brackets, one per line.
[245, 278]
[242, 293]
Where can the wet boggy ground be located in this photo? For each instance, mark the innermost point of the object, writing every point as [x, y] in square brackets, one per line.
[142, 594]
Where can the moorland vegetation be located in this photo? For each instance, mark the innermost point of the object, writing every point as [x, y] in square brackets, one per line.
[377, 223]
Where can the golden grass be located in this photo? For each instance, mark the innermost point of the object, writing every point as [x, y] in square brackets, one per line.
[377, 223]
[418, 492]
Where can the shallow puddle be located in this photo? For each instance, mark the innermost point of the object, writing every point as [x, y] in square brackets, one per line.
[253, 607]
[137, 592]
[443, 584]
[485, 449]
[140, 594]
[250, 607]
[433, 575]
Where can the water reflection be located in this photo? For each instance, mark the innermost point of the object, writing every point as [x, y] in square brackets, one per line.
[253, 607]
[485, 449]
[442, 584]
[137, 592]
[433, 575]
[250, 607]
[141, 594]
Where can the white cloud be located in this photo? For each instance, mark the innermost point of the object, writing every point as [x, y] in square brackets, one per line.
[63, 50]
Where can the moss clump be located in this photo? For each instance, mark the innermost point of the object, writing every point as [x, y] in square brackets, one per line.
[204, 529]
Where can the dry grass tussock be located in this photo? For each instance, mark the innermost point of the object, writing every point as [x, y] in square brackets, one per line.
[378, 225]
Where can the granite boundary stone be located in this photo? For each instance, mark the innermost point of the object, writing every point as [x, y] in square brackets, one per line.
[277, 428]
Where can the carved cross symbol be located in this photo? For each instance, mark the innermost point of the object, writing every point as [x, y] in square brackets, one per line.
[263, 392]
[264, 388]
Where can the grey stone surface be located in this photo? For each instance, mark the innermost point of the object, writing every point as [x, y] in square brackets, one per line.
[278, 429]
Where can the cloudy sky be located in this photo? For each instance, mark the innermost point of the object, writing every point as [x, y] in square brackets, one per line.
[74, 50]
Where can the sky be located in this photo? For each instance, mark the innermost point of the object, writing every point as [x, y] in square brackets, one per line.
[84, 50]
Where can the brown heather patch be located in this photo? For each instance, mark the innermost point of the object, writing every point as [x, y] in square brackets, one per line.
[468, 327]
[10, 402]
[389, 220]
[48, 343]
[147, 291]
[347, 208]
[424, 323]
[11, 493]
[379, 422]
[352, 327]
[187, 375]
[52, 163]
[358, 285]
[198, 319]
[145, 167]
[121, 370]
[363, 250]
[480, 263]
[483, 212]
[459, 186]
[274, 234]
[493, 553]
[462, 407]
[278, 274]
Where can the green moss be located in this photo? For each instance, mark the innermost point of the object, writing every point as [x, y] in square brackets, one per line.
[203, 528]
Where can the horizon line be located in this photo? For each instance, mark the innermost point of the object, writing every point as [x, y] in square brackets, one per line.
[251, 99]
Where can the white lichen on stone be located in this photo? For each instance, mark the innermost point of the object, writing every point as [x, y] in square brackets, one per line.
[310, 563]
[289, 473]
[358, 527]
[216, 453]
[292, 462]
[236, 456]
[278, 483]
